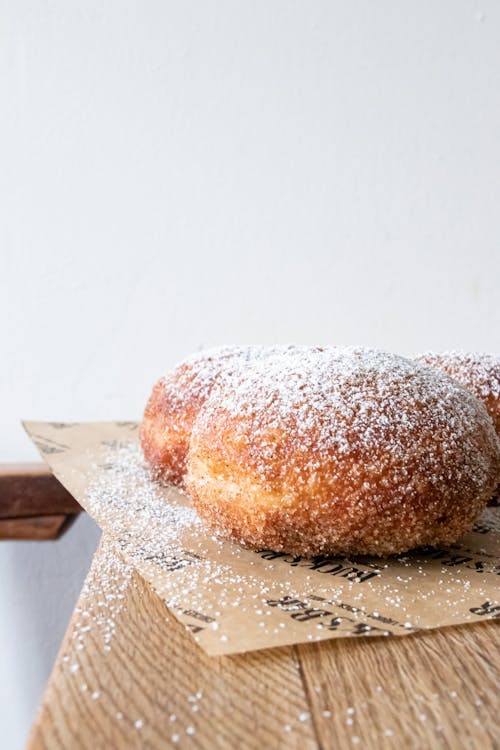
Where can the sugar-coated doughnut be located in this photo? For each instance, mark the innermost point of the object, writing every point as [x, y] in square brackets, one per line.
[480, 373]
[174, 404]
[340, 451]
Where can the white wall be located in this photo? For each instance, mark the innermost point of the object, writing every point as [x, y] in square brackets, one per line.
[175, 174]
[39, 585]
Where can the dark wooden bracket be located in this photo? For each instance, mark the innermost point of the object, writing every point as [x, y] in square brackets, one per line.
[33, 504]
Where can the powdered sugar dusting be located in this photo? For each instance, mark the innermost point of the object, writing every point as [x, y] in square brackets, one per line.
[356, 422]
[193, 379]
[101, 598]
[176, 401]
[352, 401]
[126, 491]
[479, 371]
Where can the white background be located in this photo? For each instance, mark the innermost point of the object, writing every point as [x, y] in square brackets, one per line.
[179, 174]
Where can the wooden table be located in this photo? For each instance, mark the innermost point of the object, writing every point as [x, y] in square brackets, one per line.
[134, 678]
[155, 688]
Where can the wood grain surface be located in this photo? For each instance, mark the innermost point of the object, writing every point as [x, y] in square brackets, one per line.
[35, 528]
[32, 490]
[138, 680]
[33, 504]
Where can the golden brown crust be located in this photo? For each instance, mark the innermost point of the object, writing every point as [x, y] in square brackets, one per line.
[175, 402]
[165, 431]
[478, 372]
[341, 452]
[301, 524]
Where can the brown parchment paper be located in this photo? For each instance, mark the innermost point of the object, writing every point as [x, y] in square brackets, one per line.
[235, 600]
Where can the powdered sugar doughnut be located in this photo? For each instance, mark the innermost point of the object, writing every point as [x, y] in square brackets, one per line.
[480, 373]
[340, 451]
[174, 405]
[176, 400]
